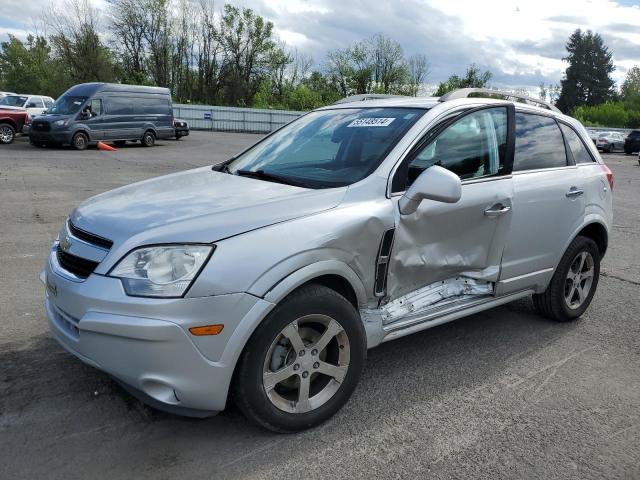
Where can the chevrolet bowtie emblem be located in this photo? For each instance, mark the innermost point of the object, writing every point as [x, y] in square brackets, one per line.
[65, 244]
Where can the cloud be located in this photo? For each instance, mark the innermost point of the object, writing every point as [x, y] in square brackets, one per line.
[522, 44]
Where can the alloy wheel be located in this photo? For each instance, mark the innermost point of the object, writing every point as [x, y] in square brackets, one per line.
[579, 280]
[6, 134]
[306, 364]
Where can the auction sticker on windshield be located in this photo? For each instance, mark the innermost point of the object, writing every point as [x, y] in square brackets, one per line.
[371, 122]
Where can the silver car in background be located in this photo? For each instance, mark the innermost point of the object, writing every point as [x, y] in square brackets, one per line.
[610, 142]
[267, 278]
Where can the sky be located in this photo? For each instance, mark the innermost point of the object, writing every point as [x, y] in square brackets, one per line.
[521, 42]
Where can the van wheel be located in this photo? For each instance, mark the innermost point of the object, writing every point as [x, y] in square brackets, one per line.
[303, 362]
[7, 133]
[80, 141]
[148, 139]
[573, 284]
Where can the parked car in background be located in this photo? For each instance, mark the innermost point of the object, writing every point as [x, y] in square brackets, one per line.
[34, 104]
[181, 128]
[609, 142]
[271, 274]
[12, 121]
[593, 135]
[632, 142]
[4, 94]
[91, 112]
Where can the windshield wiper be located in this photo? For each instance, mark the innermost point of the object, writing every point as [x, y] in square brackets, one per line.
[271, 177]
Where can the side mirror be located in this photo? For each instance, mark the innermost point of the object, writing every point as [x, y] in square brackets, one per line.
[435, 183]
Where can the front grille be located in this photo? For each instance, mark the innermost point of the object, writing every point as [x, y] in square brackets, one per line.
[90, 237]
[41, 126]
[80, 267]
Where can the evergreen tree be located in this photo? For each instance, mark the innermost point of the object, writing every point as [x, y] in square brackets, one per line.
[586, 80]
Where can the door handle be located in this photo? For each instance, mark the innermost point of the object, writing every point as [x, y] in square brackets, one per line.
[496, 210]
[574, 192]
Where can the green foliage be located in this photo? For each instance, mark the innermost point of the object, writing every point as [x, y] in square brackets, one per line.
[473, 78]
[586, 80]
[610, 114]
[28, 67]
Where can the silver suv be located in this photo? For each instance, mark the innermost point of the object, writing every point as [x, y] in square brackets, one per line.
[267, 278]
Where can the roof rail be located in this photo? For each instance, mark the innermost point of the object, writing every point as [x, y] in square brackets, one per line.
[467, 92]
[366, 96]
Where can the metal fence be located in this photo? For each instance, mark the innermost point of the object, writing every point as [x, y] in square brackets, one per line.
[230, 119]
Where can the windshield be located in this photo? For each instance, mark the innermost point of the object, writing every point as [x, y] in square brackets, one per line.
[327, 148]
[14, 101]
[67, 105]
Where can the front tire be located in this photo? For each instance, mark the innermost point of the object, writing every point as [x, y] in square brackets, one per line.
[303, 362]
[573, 284]
[7, 133]
[80, 141]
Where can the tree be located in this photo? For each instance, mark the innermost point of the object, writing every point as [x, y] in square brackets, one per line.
[249, 43]
[387, 62]
[77, 44]
[29, 67]
[418, 69]
[630, 91]
[473, 78]
[586, 80]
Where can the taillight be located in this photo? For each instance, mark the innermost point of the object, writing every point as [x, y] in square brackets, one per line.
[609, 174]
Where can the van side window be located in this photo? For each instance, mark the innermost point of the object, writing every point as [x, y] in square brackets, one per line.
[539, 143]
[579, 151]
[473, 146]
[118, 105]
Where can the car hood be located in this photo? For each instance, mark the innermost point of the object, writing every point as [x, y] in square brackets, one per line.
[199, 205]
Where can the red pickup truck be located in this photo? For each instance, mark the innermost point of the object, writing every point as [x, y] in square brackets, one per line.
[11, 122]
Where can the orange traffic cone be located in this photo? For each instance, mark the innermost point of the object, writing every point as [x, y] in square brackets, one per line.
[105, 147]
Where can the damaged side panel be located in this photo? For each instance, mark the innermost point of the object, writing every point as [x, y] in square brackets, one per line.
[436, 294]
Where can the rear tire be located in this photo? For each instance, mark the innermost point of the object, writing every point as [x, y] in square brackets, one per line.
[312, 384]
[573, 284]
[80, 141]
[7, 133]
[148, 139]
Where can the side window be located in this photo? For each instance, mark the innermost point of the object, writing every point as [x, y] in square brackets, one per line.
[95, 107]
[473, 146]
[118, 105]
[47, 102]
[34, 102]
[579, 151]
[539, 143]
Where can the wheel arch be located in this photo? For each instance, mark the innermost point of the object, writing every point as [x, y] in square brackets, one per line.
[331, 273]
[9, 121]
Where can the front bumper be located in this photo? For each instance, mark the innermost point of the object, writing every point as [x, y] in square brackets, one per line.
[50, 137]
[145, 343]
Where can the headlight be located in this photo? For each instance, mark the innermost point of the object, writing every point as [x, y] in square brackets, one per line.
[59, 123]
[161, 271]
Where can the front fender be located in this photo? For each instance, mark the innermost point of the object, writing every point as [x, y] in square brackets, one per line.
[305, 274]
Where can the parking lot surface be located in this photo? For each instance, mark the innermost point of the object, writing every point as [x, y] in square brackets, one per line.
[501, 394]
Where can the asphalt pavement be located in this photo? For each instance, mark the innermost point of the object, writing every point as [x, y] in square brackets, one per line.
[502, 394]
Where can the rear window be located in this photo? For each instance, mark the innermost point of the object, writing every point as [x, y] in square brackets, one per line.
[578, 150]
[539, 143]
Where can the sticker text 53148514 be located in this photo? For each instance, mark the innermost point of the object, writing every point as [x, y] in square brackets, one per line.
[371, 122]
